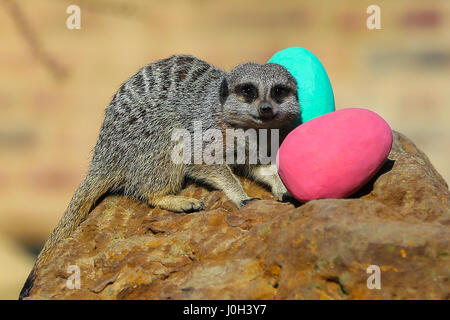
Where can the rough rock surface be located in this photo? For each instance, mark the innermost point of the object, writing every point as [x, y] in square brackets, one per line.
[268, 250]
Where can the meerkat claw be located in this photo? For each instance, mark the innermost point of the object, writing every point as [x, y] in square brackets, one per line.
[286, 197]
[194, 206]
[244, 202]
[198, 206]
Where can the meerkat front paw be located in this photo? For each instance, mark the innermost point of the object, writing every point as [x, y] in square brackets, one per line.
[268, 175]
[278, 189]
[281, 193]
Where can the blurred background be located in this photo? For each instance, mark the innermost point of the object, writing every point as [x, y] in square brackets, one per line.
[56, 82]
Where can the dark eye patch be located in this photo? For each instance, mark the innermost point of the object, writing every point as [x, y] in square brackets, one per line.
[279, 92]
[248, 91]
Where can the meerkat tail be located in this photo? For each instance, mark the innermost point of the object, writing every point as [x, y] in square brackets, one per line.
[89, 191]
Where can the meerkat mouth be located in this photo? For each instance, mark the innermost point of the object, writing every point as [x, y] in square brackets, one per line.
[260, 119]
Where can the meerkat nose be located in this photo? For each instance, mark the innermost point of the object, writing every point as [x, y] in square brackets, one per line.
[266, 110]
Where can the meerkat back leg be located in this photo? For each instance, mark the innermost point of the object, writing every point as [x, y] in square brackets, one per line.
[167, 180]
[221, 177]
[268, 175]
[166, 199]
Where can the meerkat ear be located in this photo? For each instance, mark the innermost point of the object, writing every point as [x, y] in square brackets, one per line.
[223, 91]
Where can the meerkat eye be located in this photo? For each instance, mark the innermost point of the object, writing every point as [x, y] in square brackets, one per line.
[248, 91]
[279, 92]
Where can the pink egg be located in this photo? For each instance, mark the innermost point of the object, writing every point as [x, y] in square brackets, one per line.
[334, 155]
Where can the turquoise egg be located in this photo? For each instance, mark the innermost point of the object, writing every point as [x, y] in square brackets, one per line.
[315, 94]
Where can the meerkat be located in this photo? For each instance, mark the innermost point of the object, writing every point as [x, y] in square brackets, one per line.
[132, 153]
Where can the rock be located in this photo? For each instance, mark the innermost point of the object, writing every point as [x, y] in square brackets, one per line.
[268, 249]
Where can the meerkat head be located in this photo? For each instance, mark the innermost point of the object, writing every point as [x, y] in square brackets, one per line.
[259, 96]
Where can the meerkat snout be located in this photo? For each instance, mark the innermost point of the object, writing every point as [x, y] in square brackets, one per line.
[267, 111]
